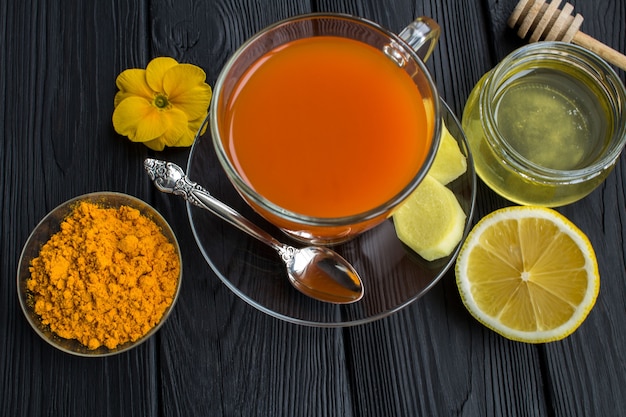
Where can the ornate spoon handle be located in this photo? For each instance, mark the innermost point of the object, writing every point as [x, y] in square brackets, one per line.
[170, 178]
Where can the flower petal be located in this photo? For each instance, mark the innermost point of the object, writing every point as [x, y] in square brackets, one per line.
[177, 127]
[192, 131]
[182, 77]
[155, 71]
[186, 89]
[155, 144]
[195, 125]
[132, 82]
[186, 139]
[195, 103]
[136, 118]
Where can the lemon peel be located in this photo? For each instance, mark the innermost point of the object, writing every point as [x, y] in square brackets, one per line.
[528, 273]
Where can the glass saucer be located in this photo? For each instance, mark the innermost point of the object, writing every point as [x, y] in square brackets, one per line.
[393, 275]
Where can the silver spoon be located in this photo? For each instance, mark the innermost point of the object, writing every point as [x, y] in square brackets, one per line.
[315, 271]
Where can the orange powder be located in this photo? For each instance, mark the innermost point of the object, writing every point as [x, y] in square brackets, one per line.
[106, 278]
[327, 127]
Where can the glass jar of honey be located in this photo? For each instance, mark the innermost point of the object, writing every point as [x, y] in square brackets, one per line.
[546, 125]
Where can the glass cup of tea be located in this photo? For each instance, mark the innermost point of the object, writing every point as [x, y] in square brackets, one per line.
[324, 123]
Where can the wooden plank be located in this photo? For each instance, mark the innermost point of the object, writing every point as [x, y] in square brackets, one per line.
[222, 356]
[58, 82]
[508, 377]
[432, 358]
[584, 374]
[206, 33]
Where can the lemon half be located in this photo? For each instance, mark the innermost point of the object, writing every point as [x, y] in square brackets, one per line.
[528, 273]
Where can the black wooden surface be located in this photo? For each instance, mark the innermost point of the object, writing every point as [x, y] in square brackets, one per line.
[216, 355]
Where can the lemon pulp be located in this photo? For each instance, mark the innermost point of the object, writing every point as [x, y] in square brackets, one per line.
[528, 273]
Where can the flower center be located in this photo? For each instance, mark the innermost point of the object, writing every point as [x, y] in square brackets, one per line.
[161, 101]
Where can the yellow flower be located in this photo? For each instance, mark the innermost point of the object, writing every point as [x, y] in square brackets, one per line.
[163, 105]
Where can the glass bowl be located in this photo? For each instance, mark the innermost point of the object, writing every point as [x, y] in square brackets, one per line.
[393, 275]
[51, 225]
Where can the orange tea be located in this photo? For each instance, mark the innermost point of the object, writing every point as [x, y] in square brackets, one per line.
[327, 127]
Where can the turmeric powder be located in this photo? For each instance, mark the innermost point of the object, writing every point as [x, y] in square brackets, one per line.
[106, 278]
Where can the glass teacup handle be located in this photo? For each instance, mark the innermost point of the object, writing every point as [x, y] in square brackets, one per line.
[422, 35]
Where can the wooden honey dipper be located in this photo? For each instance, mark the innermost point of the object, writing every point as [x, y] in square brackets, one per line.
[545, 21]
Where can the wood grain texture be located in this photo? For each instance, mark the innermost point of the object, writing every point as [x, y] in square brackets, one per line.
[241, 362]
[591, 362]
[58, 85]
[216, 355]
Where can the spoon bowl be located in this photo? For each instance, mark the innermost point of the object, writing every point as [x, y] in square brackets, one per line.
[315, 271]
[323, 274]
